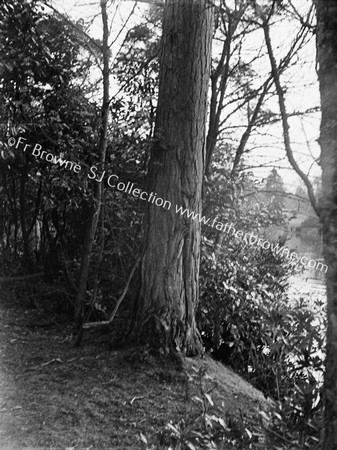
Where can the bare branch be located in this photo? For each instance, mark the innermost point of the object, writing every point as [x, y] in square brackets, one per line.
[76, 27]
[119, 301]
[252, 122]
[285, 124]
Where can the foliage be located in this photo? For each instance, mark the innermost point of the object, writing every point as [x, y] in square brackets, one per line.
[44, 104]
[248, 321]
[298, 371]
[44, 86]
[245, 315]
[137, 69]
[238, 284]
[229, 196]
[275, 188]
[209, 427]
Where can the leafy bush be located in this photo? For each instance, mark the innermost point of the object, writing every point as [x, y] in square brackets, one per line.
[248, 321]
[237, 285]
[207, 426]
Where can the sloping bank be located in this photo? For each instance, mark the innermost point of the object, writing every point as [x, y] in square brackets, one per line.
[56, 396]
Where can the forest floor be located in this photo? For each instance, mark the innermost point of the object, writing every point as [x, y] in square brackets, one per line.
[53, 395]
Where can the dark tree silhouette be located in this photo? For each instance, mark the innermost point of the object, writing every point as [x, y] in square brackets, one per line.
[327, 72]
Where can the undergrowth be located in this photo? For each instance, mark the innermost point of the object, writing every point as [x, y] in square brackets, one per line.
[249, 321]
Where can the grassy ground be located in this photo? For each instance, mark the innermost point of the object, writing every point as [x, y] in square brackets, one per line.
[53, 395]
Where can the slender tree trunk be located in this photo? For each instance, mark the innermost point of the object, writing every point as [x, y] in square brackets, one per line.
[27, 262]
[98, 187]
[217, 99]
[168, 294]
[327, 72]
[219, 82]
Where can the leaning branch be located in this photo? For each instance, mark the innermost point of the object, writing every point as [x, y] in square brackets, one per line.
[252, 122]
[76, 27]
[119, 301]
[284, 118]
[21, 278]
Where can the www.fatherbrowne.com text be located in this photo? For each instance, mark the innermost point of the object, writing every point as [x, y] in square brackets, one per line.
[112, 181]
[251, 239]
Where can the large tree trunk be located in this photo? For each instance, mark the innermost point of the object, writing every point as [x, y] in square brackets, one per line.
[327, 60]
[165, 309]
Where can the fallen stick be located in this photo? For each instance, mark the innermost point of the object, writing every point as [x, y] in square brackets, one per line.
[119, 301]
[22, 277]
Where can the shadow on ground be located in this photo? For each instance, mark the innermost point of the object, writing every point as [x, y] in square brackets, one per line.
[54, 395]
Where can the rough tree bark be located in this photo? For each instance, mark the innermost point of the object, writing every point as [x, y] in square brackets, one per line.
[327, 72]
[168, 293]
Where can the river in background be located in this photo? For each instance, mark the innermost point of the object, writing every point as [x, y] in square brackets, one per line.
[310, 281]
[306, 242]
[310, 286]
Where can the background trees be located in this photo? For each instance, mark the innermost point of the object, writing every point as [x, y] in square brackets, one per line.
[41, 98]
[95, 209]
[154, 122]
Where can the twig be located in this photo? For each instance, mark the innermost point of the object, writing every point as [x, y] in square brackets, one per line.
[47, 363]
[119, 301]
[114, 312]
[22, 278]
[136, 398]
